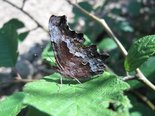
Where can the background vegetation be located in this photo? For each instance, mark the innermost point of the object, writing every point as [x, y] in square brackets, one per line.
[125, 88]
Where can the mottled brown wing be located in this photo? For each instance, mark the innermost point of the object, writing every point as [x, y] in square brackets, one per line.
[73, 59]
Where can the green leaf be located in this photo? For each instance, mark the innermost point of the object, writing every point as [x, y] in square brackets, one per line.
[125, 26]
[12, 105]
[23, 35]
[107, 44]
[134, 7]
[148, 70]
[48, 54]
[139, 52]
[15, 23]
[9, 43]
[87, 41]
[148, 67]
[97, 97]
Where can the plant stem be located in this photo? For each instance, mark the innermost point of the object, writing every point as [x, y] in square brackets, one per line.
[23, 4]
[127, 78]
[140, 76]
[17, 81]
[106, 27]
[144, 99]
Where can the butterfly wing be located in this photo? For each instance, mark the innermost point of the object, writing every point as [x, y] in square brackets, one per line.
[73, 59]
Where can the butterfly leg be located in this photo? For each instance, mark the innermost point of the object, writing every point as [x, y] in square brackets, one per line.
[61, 81]
[77, 80]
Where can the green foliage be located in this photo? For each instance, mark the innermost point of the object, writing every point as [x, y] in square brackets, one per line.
[12, 105]
[9, 42]
[90, 28]
[139, 52]
[134, 7]
[127, 23]
[84, 5]
[48, 55]
[23, 35]
[87, 41]
[107, 44]
[90, 98]
[148, 70]
[148, 67]
[139, 108]
[125, 26]
[102, 95]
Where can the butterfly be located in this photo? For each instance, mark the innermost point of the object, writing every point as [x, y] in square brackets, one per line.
[73, 59]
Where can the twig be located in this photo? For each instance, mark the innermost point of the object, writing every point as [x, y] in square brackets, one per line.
[23, 80]
[144, 99]
[17, 81]
[140, 75]
[105, 26]
[127, 78]
[35, 28]
[26, 13]
[23, 4]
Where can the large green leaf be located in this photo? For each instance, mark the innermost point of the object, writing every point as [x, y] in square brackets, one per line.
[139, 52]
[12, 105]
[97, 97]
[9, 43]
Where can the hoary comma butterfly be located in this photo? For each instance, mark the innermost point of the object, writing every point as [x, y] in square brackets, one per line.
[73, 59]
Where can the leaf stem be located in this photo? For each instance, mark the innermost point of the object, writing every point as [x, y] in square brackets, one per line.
[140, 76]
[127, 78]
